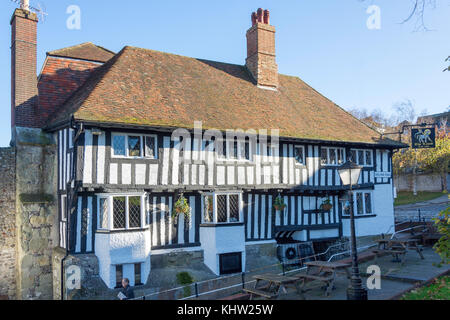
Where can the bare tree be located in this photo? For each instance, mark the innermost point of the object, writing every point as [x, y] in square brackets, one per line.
[417, 14]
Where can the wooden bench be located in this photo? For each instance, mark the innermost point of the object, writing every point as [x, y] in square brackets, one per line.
[328, 280]
[260, 293]
[396, 253]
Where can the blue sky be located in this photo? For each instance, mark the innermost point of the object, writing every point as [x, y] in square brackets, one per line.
[324, 42]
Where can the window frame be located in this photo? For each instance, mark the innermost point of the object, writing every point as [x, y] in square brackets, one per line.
[337, 150]
[110, 211]
[230, 146]
[364, 151]
[215, 213]
[304, 155]
[355, 204]
[63, 217]
[142, 138]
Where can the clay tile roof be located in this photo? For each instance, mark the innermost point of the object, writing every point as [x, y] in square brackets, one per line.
[149, 88]
[84, 51]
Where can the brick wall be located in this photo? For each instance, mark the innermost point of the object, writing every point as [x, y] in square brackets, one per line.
[7, 224]
[23, 68]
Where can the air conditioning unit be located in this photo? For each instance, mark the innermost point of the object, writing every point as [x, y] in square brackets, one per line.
[295, 253]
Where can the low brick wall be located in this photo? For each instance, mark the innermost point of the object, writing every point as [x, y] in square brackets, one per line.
[8, 284]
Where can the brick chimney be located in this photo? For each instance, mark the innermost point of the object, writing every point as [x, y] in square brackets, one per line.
[261, 59]
[24, 90]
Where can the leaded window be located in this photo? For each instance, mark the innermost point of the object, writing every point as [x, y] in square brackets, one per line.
[134, 209]
[134, 146]
[299, 154]
[332, 156]
[119, 146]
[150, 147]
[222, 208]
[126, 212]
[103, 214]
[362, 204]
[119, 212]
[362, 157]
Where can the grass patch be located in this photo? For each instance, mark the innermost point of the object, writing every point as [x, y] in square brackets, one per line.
[438, 290]
[409, 198]
[185, 279]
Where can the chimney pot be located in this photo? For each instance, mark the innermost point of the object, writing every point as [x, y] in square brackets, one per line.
[25, 5]
[254, 18]
[266, 17]
[260, 15]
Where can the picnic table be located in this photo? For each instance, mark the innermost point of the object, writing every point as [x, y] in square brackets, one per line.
[323, 272]
[398, 247]
[274, 286]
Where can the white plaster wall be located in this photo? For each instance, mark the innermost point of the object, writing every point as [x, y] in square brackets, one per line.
[220, 240]
[124, 248]
[383, 204]
[322, 234]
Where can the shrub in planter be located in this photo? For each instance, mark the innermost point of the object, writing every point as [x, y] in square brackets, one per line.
[181, 207]
[327, 205]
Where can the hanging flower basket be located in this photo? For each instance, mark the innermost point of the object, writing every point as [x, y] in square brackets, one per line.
[327, 205]
[279, 204]
[181, 207]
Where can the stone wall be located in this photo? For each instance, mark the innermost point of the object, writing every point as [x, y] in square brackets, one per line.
[36, 214]
[7, 224]
[425, 182]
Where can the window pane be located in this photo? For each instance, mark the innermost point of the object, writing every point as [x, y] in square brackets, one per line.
[134, 209]
[352, 156]
[361, 157]
[333, 157]
[324, 156]
[234, 208]
[247, 150]
[209, 209]
[222, 208]
[221, 149]
[137, 274]
[369, 158]
[299, 155]
[341, 156]
[345, 207]
[103, 213]
[368, 199]
[119, 145]
[234, 150]
[134, 146]
[359, 203]
[119, 212]
[119, 276]
[150, 150]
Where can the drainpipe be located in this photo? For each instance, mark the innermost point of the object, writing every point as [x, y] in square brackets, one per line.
[77, 136]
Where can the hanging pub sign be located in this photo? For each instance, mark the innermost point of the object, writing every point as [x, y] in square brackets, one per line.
[423, 138]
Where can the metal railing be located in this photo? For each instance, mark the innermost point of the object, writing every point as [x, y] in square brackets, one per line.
[285, 269]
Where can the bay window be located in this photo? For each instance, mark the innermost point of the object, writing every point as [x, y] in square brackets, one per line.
[222, 208]
[121, 212]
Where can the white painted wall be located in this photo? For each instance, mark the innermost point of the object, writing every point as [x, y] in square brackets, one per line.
[123, 248]
[383, 203]
[220, 240]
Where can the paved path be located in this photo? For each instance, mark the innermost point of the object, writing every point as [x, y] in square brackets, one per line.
[395, 278]
[428, 209]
